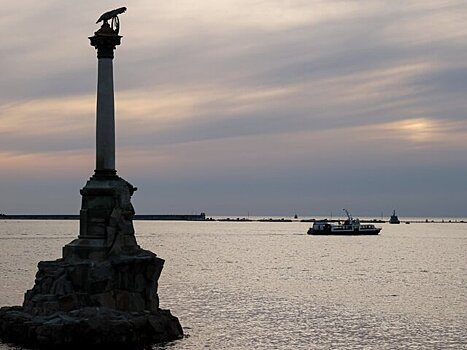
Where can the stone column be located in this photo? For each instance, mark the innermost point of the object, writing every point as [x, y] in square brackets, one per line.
[106, 216]
[103, 292]
[105, 40]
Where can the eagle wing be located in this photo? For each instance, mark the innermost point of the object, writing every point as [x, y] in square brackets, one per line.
[111, 14]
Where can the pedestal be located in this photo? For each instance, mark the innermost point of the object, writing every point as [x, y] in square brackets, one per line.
[106, 220]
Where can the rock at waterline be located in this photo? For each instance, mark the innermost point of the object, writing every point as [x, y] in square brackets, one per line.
[92, 327]
[108, 303]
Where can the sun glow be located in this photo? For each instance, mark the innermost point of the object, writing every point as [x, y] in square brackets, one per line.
[418, 130]
[421, 132]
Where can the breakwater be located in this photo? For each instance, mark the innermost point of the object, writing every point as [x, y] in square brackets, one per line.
[203, 217]
[176, 217]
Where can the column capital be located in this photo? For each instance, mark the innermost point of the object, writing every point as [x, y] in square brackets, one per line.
[105, 40]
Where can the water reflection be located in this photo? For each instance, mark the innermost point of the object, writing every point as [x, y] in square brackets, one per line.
[269, 286]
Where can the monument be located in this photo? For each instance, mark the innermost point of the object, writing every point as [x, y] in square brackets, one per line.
[103, 291]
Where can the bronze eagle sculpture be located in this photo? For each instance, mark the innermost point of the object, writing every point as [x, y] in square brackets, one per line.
[112, 15]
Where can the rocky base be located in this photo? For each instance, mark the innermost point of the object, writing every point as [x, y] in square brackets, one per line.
[93, 327]
[122, 282]
[103, 292]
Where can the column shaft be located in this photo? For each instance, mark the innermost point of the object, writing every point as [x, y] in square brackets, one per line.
[105, 116]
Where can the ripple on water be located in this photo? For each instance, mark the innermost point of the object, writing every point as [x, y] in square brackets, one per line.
[269, 286]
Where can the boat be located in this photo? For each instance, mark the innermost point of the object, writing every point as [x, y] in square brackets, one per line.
[394, 219]
[350, 227]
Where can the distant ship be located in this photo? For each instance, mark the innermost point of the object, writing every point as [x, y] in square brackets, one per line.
[350, 227]
[394, 219]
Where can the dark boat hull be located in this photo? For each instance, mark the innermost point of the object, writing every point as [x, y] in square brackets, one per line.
[343, 233]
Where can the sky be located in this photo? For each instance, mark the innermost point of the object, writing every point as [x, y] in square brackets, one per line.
[237, 107]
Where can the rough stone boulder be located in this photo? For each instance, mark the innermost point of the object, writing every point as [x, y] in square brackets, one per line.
[122, 282]
[109, 303]
[103, 292]
[90, 327]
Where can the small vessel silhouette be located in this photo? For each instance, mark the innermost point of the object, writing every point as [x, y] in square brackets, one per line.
[394, 219]
[350, 227]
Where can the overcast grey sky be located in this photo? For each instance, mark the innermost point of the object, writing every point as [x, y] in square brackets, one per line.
[234, 106]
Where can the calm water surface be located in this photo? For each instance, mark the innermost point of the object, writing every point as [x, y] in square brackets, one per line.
[251, 285]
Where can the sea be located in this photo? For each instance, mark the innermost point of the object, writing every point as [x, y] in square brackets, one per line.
[269, 285]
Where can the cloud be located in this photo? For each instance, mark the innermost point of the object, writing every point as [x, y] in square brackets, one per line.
[47, 125]
[238, 97]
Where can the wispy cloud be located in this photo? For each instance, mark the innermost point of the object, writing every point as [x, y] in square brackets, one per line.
[297, 97]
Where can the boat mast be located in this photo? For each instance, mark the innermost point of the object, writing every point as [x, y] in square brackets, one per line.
[348, 215]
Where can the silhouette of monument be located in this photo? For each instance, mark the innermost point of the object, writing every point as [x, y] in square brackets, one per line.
[103, 292]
